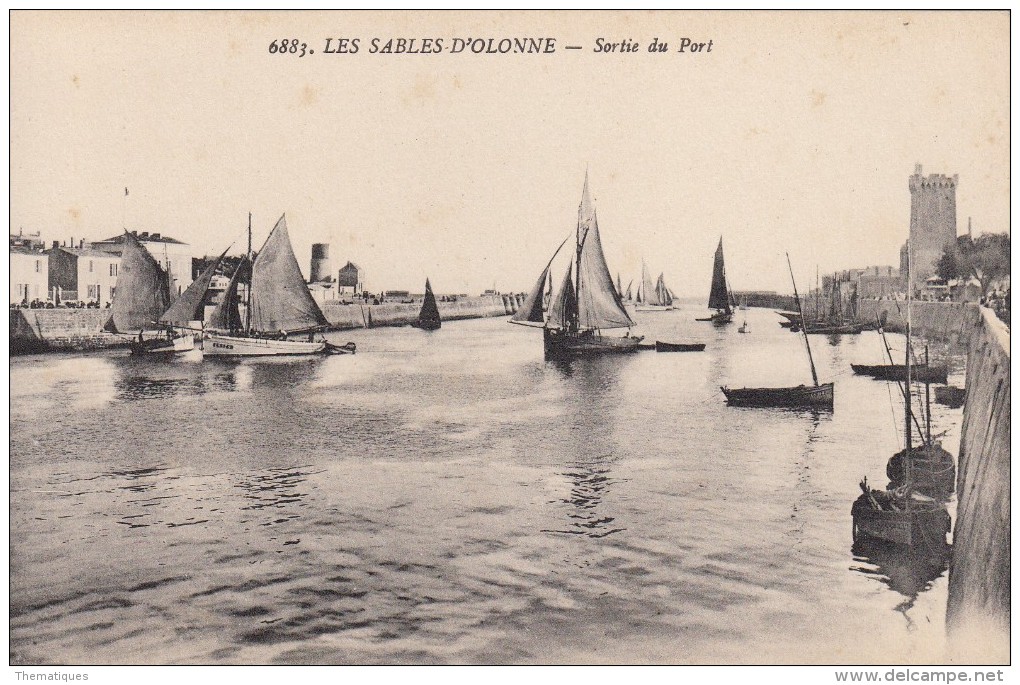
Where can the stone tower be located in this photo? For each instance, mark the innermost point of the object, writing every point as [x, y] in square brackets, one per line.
[320, 270]
[932, 222]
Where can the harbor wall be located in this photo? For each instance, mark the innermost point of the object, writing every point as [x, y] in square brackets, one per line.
[73, 330]
[42, 330]
[348, 316]
[953, 322]
[978, 611]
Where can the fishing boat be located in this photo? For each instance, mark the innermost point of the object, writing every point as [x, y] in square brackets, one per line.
[585, 309]
[719, 297]
[278, 306]
[141, 297]
[910, 511]
[922, 373]
[428, 318]
[678, 347]
[817, 396]
[658, 297]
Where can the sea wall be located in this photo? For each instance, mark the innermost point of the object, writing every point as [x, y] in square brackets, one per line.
[347, 316]
[954, 322]
[42, 330]
[978, 611]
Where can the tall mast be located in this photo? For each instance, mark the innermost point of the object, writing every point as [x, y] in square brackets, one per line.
[907, 460]
[803, 326]
[251, 273]
[927, 400]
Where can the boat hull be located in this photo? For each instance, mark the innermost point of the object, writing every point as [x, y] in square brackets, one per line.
[236, 346]
[922, 529]
[933, 471]
[802, 396]
[162, 346]
[825, 329]
[718, 319]
[569, 345]
[919, 373]
[653, 308]
[678, 347]
[428, 325]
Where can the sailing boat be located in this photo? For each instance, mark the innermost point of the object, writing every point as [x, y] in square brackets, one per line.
[819, 396]
[141, 297]
[584, 307]
[428, 317]
[902, 513]
[719, 295]
[657, 298]
[278, 305]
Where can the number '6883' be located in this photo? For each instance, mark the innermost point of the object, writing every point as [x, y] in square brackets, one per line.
[289, 46]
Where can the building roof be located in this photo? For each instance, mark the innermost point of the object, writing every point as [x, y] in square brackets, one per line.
[349, 265]
[27, 251]
[86, 252]
[144, 237]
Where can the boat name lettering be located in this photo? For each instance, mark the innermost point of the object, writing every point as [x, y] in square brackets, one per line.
[223, 346]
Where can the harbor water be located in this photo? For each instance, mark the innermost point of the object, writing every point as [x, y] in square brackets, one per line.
[452, 497]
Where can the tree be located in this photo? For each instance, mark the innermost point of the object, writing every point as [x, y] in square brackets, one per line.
[986, 259]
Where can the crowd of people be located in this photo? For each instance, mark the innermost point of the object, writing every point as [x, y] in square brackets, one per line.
[46, 304]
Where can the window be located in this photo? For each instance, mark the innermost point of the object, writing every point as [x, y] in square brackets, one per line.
[38, 264]
[113, 269]
[93, 291]
[90, 266]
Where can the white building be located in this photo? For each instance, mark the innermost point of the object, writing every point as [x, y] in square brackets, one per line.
[30, 275]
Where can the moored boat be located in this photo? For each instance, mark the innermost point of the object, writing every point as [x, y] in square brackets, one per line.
[657, 298]
[678, 347]
[805, 396]
[818, 396]
[922, 373]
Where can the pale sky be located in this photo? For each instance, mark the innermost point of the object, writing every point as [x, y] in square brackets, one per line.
[797, 132]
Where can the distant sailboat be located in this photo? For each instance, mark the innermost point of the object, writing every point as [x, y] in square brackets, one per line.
[279, 305]
[583, 308]
[428, 318]
[142, 296]
[719, 297]
[657, 297]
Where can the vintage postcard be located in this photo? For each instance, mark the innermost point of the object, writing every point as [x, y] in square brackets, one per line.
[510, 338]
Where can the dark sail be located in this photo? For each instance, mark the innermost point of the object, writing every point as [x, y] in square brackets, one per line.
[537, 301]
[563, 310]
[280, 300]
[719, 297]
[188, 307]
[428, 317]
[227, 316]
[143, 288]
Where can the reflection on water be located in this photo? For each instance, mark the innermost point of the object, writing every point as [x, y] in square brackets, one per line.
[452, 498]
[901, 569]
[591, 393]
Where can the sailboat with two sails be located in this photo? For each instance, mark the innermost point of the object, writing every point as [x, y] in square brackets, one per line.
[657, 298]
[141, 301]
[278, 306]
[719, 297]
[587, 305]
